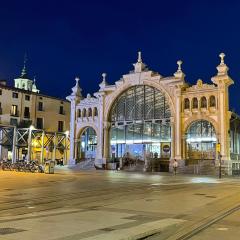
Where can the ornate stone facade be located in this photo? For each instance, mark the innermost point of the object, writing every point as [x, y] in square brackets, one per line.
[200, 116]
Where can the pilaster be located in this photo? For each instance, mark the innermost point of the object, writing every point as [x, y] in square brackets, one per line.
[74, 98]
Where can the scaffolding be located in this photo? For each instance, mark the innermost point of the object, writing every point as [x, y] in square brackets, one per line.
[33, 144]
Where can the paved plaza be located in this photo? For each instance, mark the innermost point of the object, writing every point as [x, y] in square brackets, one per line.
[72, 205]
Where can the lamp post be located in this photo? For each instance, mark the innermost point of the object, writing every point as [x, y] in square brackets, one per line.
[31, 128]
[218, 149]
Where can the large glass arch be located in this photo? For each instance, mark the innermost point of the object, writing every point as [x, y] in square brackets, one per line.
[140, 103]
[201, 140]
[140, 124]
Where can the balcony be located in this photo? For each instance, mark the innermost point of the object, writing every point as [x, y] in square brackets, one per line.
[27, 115]
[62, 112]
[14, 113]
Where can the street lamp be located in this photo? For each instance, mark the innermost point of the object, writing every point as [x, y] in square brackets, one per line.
[31, 128]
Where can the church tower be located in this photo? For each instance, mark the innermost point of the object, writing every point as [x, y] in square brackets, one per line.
[24, 82]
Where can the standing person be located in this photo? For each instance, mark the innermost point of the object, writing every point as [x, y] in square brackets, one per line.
[175, 166]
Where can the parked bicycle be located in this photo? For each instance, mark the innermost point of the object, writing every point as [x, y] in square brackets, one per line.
[7, 165]
[22, 166]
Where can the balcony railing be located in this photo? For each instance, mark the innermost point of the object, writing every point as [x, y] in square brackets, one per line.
[62, 112]
[27, 115]
[14, 113]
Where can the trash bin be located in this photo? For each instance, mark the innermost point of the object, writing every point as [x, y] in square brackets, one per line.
[49, 167]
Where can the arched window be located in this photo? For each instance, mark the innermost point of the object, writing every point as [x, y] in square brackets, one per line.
[84, 112]
[23, 85]
[87, 144]
[186, 103]
[195, 103]
[140, 103]
[89, 112]
[201, 139]
[212, 101]
[95, 112]
[79, 113]
[203, 102]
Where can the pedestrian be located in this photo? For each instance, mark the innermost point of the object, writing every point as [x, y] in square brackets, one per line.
[175, 166]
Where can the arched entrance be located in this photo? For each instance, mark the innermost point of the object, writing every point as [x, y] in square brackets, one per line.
[200, 141]
[87, 144]
[140, 129]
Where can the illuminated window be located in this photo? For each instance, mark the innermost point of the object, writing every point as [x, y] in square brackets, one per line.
[140, 122]
[14, 110]
[201, 140]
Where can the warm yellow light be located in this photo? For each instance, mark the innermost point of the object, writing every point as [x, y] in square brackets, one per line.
[34, 143]
[67, 132]
[31, 127]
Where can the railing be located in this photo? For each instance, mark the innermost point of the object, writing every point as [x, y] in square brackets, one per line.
[62, 112]
[235, 156]
[14, 113]
[27, 115]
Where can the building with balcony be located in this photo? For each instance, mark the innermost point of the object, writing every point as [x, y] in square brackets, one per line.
[23, 106]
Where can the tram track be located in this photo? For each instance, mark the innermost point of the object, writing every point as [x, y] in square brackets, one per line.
[84, 199]
[208, 224]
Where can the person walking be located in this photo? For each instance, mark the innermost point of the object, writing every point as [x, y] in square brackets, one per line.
[175, 166]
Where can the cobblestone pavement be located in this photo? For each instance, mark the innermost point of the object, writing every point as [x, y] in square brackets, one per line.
[72, 205]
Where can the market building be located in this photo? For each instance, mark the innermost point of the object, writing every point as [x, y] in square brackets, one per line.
[145, 120]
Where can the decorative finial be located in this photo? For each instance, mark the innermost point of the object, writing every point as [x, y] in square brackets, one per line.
[222, 56]
[179, 63]
[104, 77]
[104, 83]
[179, 74]
[139, 57]
[24, 71]
[199, 83]
[77, 79]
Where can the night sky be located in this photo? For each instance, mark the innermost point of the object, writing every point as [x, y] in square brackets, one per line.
[64, 39]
